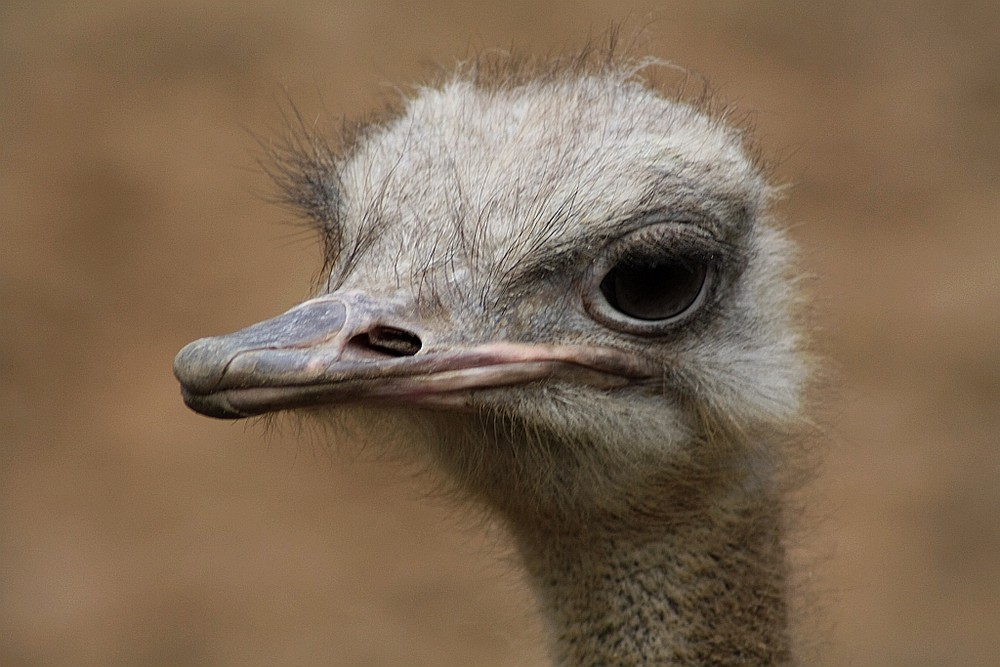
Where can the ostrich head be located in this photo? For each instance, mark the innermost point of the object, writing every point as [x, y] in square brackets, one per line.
[570, 281]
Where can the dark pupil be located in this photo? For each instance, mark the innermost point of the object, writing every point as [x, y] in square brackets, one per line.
[655, 291]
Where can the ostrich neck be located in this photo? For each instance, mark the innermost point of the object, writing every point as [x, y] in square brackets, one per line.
[706, 588]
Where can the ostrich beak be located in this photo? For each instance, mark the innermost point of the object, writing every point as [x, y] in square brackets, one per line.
[345, 348]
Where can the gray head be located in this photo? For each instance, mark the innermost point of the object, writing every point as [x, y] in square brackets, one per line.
[570, 281]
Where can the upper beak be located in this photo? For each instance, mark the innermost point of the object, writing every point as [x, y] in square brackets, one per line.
[347, 347]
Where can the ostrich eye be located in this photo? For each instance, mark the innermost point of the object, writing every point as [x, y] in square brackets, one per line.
[654, 290]
[650, 281]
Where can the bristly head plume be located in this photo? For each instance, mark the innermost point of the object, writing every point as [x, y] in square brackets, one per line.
[306, 158]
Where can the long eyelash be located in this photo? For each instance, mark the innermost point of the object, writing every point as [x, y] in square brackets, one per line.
[655, 244]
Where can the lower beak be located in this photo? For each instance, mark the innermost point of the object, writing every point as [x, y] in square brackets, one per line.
[339, 349]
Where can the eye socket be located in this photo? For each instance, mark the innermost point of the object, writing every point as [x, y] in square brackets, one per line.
[652, 279]
[654, 290]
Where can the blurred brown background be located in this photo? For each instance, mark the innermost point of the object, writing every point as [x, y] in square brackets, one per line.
[133, 532]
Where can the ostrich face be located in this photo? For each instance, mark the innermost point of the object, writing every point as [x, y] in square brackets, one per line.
[580, 261]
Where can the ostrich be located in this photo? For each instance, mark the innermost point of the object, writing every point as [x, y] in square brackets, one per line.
[570, 288]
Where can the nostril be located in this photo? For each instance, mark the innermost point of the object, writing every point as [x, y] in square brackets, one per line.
[391, 341]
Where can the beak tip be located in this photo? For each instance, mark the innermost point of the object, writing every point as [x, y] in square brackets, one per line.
[198, 370]
[197, 367]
